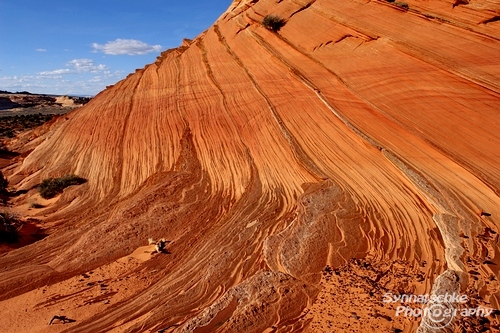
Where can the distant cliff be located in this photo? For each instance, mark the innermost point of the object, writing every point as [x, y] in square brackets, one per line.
[27, 103]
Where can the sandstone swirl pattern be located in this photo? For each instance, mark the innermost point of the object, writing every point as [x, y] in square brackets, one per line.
[358, 131]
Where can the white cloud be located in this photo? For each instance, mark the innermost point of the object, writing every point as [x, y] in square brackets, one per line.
[126, 46]
[78, 76]
[77, 66]
[41, 50]
[85, 83]
[20, 83]
[86, 65]
[55, 72]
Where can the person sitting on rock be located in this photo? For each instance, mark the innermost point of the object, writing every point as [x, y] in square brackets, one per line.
[160, 246]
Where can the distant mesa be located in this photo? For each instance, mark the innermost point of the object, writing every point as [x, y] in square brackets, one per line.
[18, 92]
[6, 104]
[24, 102]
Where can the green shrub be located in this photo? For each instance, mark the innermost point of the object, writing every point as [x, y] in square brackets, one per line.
[9, 228]
[273, 22]
[51, 187]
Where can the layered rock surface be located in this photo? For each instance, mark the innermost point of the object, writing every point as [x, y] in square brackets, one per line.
[362, 136]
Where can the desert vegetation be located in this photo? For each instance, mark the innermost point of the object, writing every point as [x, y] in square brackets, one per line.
[36, 205]
[9, 228]
[51, 187]
[403, 5]
[273, 22]
[12, 125]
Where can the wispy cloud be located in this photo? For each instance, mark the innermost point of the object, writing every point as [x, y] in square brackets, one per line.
[84, 84]
[56, 72]
[77, 66]
[80, 76]
[126, 46]
[86, 65]
[41, 50]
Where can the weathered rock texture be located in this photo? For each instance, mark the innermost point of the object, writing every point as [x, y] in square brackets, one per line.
[362, 136]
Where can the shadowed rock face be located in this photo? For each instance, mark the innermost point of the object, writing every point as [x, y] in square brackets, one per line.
[361, 136]
[6, 103]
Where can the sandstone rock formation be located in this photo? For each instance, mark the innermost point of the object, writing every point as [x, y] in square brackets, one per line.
[299, 175]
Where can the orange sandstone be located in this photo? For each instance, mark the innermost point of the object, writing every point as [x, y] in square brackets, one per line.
[361, 136]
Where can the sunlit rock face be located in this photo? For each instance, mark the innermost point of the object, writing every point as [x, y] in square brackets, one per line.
[362, 136]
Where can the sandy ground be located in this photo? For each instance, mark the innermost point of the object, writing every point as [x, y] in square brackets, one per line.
[77, 298]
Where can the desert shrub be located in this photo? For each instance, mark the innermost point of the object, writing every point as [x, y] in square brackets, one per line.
[273, 22]
[12, 125]
[9, 133]
[403, 5]
[9, 228]
[51, 187]
[36, 205]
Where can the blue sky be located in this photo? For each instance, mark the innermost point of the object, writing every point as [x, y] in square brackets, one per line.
[78, 47]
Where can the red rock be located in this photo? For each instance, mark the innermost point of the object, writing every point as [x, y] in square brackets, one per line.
[358, 131]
